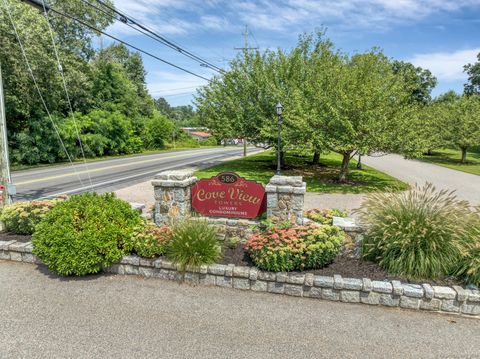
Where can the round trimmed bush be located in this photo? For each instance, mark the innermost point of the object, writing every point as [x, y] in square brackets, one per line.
[296, 248]
[85, 233]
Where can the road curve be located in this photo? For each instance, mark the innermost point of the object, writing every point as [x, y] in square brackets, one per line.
[109, 175]
[465, 185]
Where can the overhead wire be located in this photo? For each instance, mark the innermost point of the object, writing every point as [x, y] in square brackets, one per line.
[126, 43]
[129, 20]
[62, 74]
[42, 100]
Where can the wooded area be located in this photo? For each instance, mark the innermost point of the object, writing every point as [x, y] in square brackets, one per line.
[113, 111]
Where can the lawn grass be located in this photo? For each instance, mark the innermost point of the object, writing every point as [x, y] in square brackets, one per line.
[261, 167]
[451, 159]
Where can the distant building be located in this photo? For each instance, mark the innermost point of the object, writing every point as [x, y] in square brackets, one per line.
[194, 129]
[201, 136]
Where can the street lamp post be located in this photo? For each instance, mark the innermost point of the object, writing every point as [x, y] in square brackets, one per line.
[279, 109]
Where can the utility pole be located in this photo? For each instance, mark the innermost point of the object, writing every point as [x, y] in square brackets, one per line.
[245, 53]
[5, 178]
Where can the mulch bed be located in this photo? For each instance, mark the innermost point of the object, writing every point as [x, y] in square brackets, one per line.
[344, 265]
[6, 236]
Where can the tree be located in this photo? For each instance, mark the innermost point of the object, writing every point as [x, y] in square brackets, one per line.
[158, 129]
[419, 81]
[133, 70]
[368, 108]
[163, 107]
[449, 96]
[473, 72]
[462, 123]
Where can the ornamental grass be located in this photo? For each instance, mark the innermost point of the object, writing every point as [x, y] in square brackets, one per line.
[420, 233]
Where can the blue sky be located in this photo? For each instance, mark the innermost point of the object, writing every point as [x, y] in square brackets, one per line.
[441, 35]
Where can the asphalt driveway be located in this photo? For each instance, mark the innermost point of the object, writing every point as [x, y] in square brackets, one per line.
[466, 185]
[107, 316]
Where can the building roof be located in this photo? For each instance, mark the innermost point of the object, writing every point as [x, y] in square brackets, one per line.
[200, 134]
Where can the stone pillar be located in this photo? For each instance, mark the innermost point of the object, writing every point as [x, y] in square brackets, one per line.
[172, 195]
[285, 195]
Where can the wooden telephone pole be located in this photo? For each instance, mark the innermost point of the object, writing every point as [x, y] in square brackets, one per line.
[245, 53]
[5, 178]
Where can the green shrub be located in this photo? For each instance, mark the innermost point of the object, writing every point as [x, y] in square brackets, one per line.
[232, 242]
[85, 233]
[296, 248]
[421, 233]
[149, 240]
[325, 216]
[22, 217]
[193, 243]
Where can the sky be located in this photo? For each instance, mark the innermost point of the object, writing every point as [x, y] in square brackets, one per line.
[439, 35]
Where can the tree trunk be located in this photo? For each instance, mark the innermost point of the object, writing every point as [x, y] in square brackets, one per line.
[464, 155]
[359, 163]
[244, 147]
[316, 158]
[282, 158]
[344, 169]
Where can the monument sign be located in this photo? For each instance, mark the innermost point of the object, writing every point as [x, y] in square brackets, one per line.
[228, 195]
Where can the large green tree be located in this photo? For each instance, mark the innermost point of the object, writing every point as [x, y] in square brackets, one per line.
[461, 119]
[473, 72]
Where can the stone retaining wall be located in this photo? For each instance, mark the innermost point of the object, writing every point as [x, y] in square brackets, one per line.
[230, 227]
[452, 300]
[173, 194]
[285, 197]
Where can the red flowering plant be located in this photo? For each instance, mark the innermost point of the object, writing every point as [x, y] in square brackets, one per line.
[149, 240]
[295, 248]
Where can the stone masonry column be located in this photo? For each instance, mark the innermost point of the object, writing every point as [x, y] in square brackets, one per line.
[285, 196]
[172, 195]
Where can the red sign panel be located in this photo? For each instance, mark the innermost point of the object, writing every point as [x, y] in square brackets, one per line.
[228, 195]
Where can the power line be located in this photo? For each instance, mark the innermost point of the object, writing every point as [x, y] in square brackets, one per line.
[126, 43]
[128, 20]
[24, 54]
[60, 69]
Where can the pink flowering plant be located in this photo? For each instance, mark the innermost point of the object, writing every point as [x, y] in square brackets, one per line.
[295, 248]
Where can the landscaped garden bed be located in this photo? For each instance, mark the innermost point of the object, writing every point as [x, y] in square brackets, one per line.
[423, 238]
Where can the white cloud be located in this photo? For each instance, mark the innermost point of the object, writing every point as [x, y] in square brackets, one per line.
[371, 14]
[213, 22]
[446, 66]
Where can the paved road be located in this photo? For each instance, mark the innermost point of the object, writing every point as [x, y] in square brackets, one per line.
[107, 316]
[112, 174]
[466, 185]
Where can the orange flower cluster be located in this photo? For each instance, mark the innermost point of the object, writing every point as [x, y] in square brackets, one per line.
[294, 248]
